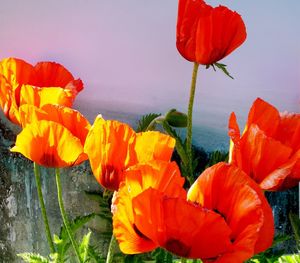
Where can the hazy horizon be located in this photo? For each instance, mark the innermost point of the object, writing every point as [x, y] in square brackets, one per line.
[125, 53]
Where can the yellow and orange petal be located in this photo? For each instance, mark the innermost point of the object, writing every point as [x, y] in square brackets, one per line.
[205, 34]
[160, 175]
[130, 239]
[110, 147]
[49, 144]
[5, 95]
[154, 145]
[181, 227]
[71, 119]
[46, 83]
[17, 71]
[228, 191]
[156, 174]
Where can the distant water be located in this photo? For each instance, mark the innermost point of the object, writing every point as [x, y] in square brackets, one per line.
[210, 132]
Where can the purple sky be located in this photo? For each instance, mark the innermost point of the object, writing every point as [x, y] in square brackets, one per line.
[125, 53]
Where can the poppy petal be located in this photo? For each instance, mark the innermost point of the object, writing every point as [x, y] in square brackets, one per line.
[41, 96]
[130, 239]
[110, 147]
[17, 71]
[265, 116]
[206, 35]
[49, 144]
[153, 145]
[285, 176]
[235, 136]
[231, 193]
[161, 175]
[71, 119]
[261, 154]
[289, 130]
[5, 95]
[183, 228]
[52, 74]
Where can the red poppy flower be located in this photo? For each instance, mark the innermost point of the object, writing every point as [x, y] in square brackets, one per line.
[44, 83]
[205, 34]
[113, 146]
[153, 175]
[225, 219]
[269, 148]
[53, 136]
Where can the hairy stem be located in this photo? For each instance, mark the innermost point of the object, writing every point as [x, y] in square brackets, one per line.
[37, 176]
[190, 122]
[63, 214]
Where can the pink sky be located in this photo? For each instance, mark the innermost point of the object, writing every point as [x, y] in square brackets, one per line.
[125, 53]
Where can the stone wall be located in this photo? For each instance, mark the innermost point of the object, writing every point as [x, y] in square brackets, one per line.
[21, 226]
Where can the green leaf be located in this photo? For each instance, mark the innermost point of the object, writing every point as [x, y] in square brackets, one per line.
[145, 121]
[176, 119]
[271, 255]
[179, 143]
[222, 67]
[93, 254]
[216, 157]
[295, 258]
[162, 256]
[33, 258]
[63, 241]
[84, 246]
[295, 222]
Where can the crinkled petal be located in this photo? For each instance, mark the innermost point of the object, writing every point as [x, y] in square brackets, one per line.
[130, 239]
[228, 191]
[265, 116]
[206, 35]
[261, 155]
[153, 145]
[110, 147]
[17, 71]
[183, 228]
[161, 175]
[49, 144]
[52, 74]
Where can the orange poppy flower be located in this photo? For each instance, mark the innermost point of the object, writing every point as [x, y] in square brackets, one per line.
[269, 148]
[205, 34]
[228, 191]
[225, 219]
[53, 136]
[113, 146]
[213, 228]
[161, 175]
[44, 83]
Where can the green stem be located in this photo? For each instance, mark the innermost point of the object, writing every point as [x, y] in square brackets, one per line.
[190, 122]
[63, 214]
[42, 205]
[183, 260]
[154, 121]
[112, 247]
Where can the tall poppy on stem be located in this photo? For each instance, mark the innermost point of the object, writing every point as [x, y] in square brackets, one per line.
[225, 217]
[52, 136]
[113, 147]
[45, 83]
[269, 148]
[204, 36]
